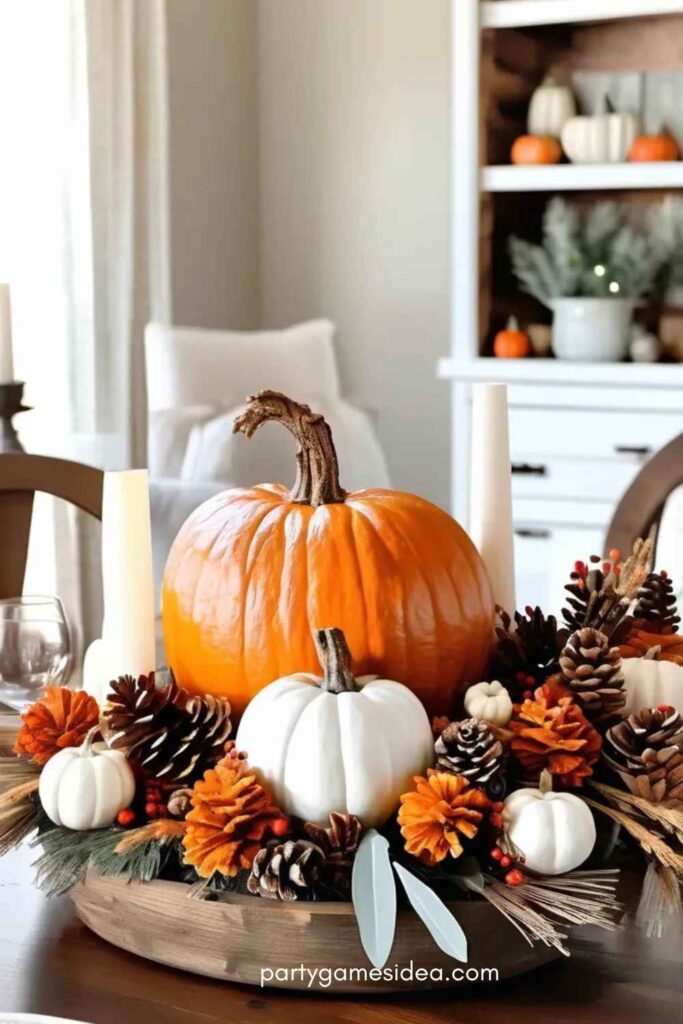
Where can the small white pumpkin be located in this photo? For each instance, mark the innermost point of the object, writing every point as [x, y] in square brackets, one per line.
[490, 702]
[601, 138]
[649, 683]
[550, 107]
[85, 787]
[554, 832]
[336, 743]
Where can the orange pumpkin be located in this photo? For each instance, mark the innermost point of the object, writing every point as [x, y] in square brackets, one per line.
[254, 571]
[511, 343]
[654, 147]
[536, 149]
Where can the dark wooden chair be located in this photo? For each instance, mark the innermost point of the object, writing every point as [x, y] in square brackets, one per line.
[21, 476]
[640, 509]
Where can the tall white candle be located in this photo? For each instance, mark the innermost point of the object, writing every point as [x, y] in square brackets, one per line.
[6, 357]
[491, 491]
[127, 643]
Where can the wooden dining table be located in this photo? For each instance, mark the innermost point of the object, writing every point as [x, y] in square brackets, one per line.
[52, 964]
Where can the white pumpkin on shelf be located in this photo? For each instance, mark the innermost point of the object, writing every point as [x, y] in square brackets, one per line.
[604, 138]
[649, 683]
[336, 743]
[550, 107]
[554, 832]
[85, 787]
[490, 702]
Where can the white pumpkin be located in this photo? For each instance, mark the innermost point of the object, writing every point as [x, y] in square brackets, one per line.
[490, 702]
[649, 683]
[85, 787]
[551, 105]
[554, 832]
[336, 743]
[600, 138]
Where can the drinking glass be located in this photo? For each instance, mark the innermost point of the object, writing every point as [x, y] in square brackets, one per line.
[35, 648]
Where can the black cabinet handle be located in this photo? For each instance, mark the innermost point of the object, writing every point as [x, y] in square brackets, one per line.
[528, 469]
[535, 534]
[633, 449]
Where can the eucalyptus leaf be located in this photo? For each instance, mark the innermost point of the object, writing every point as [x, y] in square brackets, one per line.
[373, 890]
[435, 915]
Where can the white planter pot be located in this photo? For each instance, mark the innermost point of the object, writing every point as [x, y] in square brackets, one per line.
[592, 330]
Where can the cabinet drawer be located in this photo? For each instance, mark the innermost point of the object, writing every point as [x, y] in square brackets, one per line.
[591, 433]
[553, 477]
[561, 512]
[544, 560]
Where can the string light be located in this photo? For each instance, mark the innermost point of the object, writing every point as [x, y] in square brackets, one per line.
[599, 270]
[614, 287]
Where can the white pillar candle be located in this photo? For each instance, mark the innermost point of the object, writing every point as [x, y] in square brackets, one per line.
[491, 490]
[127, 645]
[6, 358]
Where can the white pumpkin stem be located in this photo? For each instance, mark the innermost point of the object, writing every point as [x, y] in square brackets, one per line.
[335, 659]
[653, 652]
[85, 748]
[545, 783]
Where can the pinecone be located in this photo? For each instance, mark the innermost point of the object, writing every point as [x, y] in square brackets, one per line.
[173, 736]
[646, 750]
[472, 749]
[592, 670]
[61, 718]
[339, 844]
[286, 871]
[656, 604]
[596, 598]
[529, 652]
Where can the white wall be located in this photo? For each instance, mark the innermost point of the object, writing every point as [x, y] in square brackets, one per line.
[354, 146]
[213, 129]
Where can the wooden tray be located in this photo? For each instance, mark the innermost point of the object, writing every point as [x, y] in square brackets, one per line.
[238, 937]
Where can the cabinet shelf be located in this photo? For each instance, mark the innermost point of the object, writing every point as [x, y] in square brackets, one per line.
[582, 177]
[527, 13]
[561, 372]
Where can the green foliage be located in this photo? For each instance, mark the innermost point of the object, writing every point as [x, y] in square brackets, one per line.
[598, 254]
[67, 855]
[665, 225]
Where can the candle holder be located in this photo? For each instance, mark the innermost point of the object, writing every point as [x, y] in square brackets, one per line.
[11, 403]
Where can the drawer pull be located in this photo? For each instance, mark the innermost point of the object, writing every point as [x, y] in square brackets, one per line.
[535, 534]
[633, 449]
[528, 469]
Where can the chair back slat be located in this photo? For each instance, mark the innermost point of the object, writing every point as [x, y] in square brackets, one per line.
[641, 506]
[21, 477]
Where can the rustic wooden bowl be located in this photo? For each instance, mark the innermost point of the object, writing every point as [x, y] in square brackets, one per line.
[239, 937]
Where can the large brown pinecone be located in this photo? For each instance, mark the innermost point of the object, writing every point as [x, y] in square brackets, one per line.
[595, 598]
[592, 669]
[646, 749]
[472, 749]
[527, 652]
[171, 735]
[286, 871]
[656, 604]
[339, 844]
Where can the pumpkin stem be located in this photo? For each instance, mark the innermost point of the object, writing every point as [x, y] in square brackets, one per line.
[86, 746]
[545, 783]
[317, 476]
[335, 659]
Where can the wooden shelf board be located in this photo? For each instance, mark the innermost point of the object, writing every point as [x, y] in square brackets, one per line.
[555, 371]
[527, 13]
[582, 177]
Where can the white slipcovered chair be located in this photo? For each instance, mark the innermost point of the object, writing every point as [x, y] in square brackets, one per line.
[197, 381]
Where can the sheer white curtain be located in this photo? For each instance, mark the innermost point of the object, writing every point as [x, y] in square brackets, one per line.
[84, 244]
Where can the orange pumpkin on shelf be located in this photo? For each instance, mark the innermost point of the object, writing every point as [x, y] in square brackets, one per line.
[254, 571]
[654, 148]
[511, 342]
[536, 149]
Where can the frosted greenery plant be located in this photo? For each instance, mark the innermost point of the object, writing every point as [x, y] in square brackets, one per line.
[665, 226]
[596, 254]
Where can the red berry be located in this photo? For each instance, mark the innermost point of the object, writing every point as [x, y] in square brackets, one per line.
[126, 817]
[496, 853]
[664, 708]
[514, 877]
[280, 827]
[496, 820]
[151, 809]
[497, 806]
[505, 861]
[615, 554]
[162, 810]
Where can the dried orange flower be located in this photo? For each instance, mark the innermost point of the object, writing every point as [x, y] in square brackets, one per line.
[231, 817]
[61, 718]
[552, 732]
[442, 808]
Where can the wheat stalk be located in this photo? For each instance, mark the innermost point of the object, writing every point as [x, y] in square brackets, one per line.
[163, 830]
[669, 817]
[650, 842]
